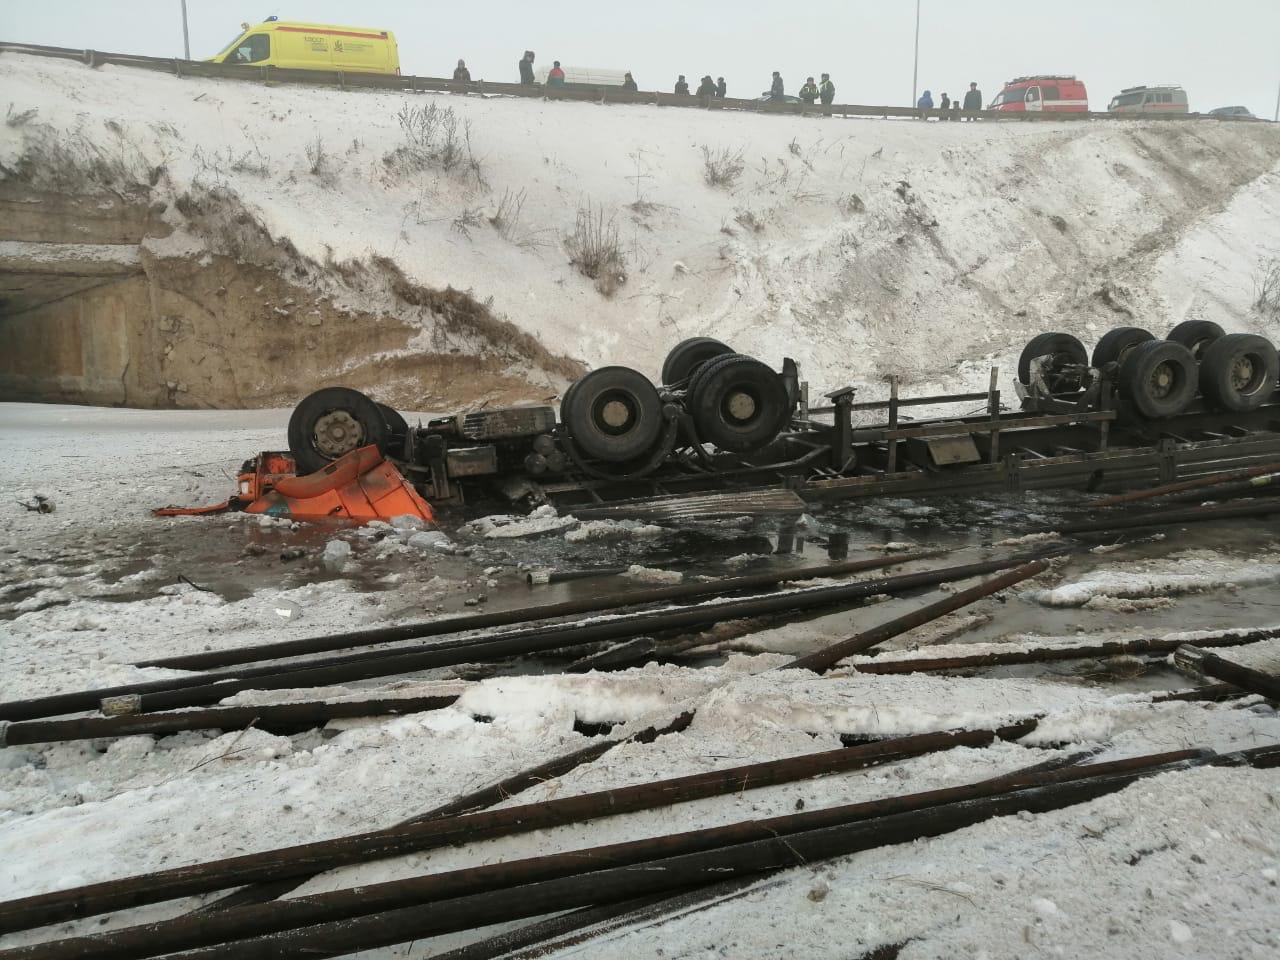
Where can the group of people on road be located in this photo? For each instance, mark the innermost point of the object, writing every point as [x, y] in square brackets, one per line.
[715, 89]
[951, 108]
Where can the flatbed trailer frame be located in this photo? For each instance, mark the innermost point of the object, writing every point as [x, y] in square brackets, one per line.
[1061, 441]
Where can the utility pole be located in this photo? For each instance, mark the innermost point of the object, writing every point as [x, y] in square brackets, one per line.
[1277, 116]
[186, 40]
[915, 69]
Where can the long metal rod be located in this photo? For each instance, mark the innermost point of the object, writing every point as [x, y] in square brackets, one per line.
[359, 919]
[546, 611]
[1220, 668]
[431, 657]
[1111, 648]
[915, 63]
[269, 717]
[820, 661]
[1168, 518]
[1209, 480]
[311, 858]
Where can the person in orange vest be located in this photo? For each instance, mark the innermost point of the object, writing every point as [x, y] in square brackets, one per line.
[555, 78]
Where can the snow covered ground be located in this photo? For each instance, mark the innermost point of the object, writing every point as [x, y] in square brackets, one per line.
[1184, 865]
[862, 248]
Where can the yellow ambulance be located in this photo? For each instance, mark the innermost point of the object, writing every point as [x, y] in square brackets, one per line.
[313, 46]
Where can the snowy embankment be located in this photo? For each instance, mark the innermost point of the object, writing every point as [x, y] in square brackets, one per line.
[862, 248]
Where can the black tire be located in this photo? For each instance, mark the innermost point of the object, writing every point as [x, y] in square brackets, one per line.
[1116, 344]
[1196, 335]
[613, 414]
[332, 422]
[1238, 372]
[687, 355]
[738, 403]
[1158, 379]
[397, 426]
[1065, 348]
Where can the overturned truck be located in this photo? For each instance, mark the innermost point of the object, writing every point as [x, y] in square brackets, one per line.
[725, 433]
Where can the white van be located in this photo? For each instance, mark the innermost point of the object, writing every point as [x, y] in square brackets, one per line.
[1166, 98]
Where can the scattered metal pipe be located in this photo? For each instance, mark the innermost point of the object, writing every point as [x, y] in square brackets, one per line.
[820, 661]
[1211, 691]
[311, 858]
[268, 717]
[497, 618]
[1111, 648]
[1194, 484]
[1228, 491]
[1193, 660]
[1167, 518]
[379, 915]
[431, 656]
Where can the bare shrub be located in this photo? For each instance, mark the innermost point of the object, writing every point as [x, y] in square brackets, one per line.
[435, 136]
[72, 160]
[1266, 288]
[594, 249]
[749, 221]
[723, 167]
[794, 147]
[19, 119]
[852, 204]
[466, 219]
[317, 157]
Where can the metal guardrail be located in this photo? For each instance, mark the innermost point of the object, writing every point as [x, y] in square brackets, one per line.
[602, 94]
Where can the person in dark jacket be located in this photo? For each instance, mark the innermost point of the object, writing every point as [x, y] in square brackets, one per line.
[526, 68]
[809, 92]
[775, 89]
[945, 104]
[629, 83]
[925, 103]
[555, 76]
[722, 89]
[707, 88]
[682, 85]
[973, 99]
[955, 111]
[460, 73]
[827, 90]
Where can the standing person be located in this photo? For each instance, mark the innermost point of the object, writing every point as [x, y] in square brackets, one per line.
[707, 87]
[955, 111]
[629, 83]
[460, 73]
[973, 100]
[925, 103]
[722, 88]
[526, 68]
[809, 92]
[827, 90]
[555, 76]
[945, 104]
[682, 86]
[775, 88]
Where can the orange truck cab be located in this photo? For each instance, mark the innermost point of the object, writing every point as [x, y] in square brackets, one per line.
[313, 46]
[1046, 94]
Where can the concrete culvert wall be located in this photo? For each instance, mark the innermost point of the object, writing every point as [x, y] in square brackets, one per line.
[427, 248]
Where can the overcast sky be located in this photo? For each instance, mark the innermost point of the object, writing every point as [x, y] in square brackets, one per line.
[1224, 52]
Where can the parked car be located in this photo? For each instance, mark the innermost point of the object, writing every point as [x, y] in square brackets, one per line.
[1048, 94]
[1165, 98]
[1236, 111]
[313, 46]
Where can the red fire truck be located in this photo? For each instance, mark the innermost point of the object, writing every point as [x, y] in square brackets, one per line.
[1047, 94]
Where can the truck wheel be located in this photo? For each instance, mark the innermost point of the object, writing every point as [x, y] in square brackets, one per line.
[687, 355]
[1238, 372]
[1158, 378]
[397, 426]
[1196, 335]
[613, 414]
[738, 403]
[1065, 348]
[1116, 344]
[331, 423]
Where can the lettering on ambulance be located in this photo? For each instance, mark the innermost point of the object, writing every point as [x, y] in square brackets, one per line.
[317, 44]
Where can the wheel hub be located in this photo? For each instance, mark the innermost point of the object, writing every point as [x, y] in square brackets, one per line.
[1162, 380]
[615, 414]
[336, 433]
[1242, 374]
[740, 405]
